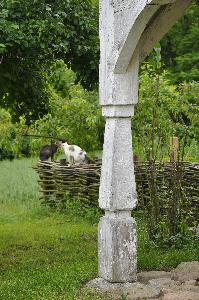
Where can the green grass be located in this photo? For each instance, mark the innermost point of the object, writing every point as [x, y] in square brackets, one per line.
[152, 257]
[46, 259]
[46, 255]
[43, 254]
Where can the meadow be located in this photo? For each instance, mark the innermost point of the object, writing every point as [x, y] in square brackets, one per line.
[47, 254]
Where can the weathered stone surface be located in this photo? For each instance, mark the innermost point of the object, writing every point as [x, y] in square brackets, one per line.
[180, 288]
[186, 271]
[119, 111]
[144, 277]
[104, 285]
[160, 25]
[119, 19]
[133, 291]
[196, 230]
[191, 282]
[122, 24]
[117, 247]
[117, 185]
[139, 291]
[164, 283]
[192, 288]
[128, 30]
[162, 288]
[181, 296]
[161, 2]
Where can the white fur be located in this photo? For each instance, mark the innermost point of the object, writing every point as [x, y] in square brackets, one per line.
[74, 153]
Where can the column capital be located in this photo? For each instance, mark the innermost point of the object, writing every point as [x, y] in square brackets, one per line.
[118, 111]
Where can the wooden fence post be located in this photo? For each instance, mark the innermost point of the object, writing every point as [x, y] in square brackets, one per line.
[174, 147]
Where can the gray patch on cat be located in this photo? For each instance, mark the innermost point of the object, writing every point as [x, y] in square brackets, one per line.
[71, 148]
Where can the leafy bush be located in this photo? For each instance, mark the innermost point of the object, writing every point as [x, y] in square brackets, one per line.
[74, 207]
[75, 114]
[164, 110]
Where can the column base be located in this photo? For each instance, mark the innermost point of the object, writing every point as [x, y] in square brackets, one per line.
[134, 290]
[117, 248]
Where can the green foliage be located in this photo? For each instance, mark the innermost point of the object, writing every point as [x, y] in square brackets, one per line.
[74, 207]
[12, 144]
[170, 206]
[180, 47]
[151, 118]
[33, 34]
[61, 78]
[159, 255]
[23, 89]
[164, 110]
[18, 183]
[75, 114]
[7, 131]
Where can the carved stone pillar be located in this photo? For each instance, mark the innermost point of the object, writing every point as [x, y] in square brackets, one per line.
[117, 195]
[128, 31]
[117, 229]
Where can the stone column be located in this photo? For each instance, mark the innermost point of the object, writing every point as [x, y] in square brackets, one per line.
[117, 229]
[128, 31]
[117, 195]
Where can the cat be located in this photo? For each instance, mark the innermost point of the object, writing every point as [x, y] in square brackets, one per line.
[74, 153]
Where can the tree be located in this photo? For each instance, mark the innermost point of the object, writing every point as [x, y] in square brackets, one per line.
[33, 34]
[164, 110]
[180, 47]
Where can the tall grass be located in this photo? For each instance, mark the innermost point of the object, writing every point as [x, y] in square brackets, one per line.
[19, 191]
[18, 181]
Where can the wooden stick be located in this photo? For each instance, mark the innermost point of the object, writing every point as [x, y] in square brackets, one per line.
[43, 136]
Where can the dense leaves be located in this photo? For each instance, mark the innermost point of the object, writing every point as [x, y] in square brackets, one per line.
[74, 114]
[164, 110]
[39, 38]
[32, 35]
[180, 47]
[35, 33]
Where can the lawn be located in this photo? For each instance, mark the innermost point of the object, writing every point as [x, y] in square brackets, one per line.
[46, 254]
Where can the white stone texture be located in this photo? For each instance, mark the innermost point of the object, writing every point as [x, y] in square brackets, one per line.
[160, 25]
[119, 37]
[191, 282]
[128, 31]
[117, 185]
[106, 286]
[136, 25]
[119, 111]
[117, 247]
[128, 27]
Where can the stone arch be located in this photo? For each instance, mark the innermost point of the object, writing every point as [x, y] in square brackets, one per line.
[152, 21]
[128, 31]
[160, 25]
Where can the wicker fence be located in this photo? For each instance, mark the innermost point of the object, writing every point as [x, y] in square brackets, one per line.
[178, 182]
